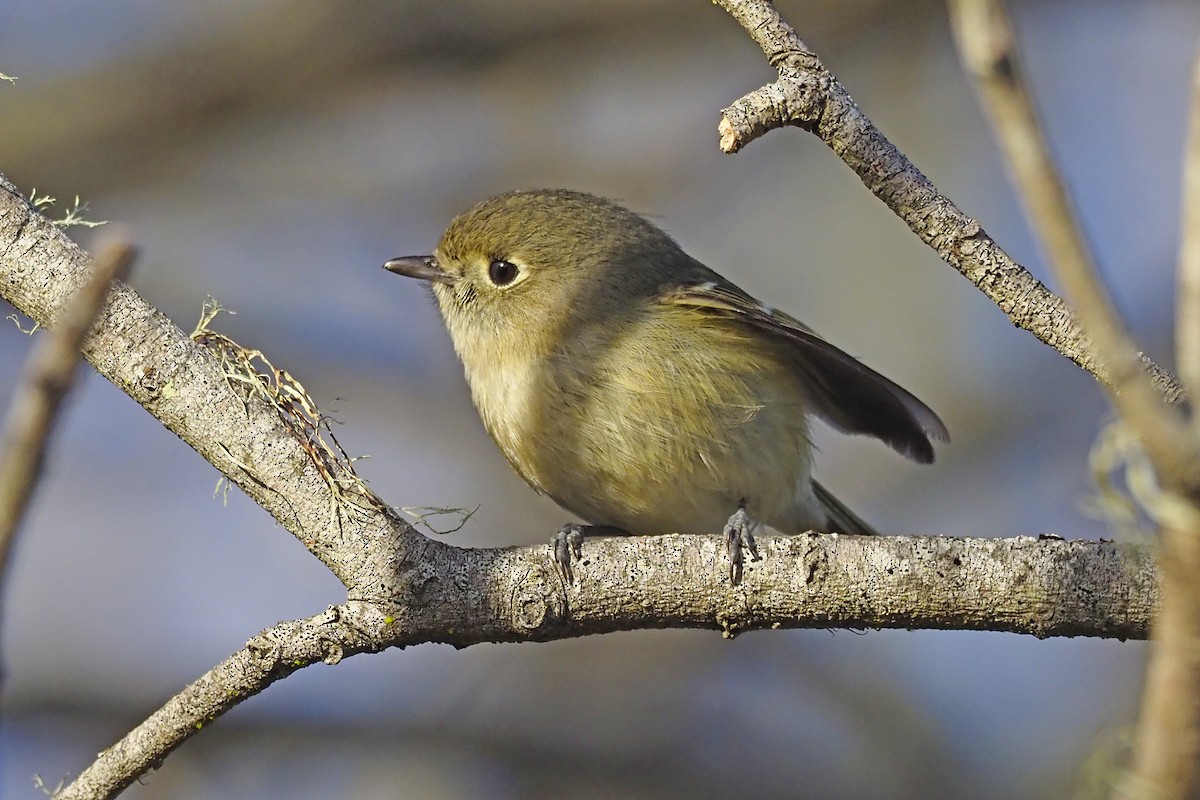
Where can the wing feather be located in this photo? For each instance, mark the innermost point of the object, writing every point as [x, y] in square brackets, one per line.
[843, 391]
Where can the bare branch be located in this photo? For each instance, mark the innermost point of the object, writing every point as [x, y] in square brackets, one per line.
[808, 96]
[273, 654]
[424, 590]
[185, 386]
[48, 377]
[1044, 587]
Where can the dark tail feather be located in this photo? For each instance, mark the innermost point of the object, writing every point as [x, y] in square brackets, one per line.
[841, 519]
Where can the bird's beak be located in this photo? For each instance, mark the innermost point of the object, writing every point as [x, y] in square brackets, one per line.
[421, 267]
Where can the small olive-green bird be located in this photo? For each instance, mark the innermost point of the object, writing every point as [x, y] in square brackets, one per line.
[639, 389]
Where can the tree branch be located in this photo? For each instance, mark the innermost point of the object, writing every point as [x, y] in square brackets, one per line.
[1167, 745]
[273, 654]
[1043, 587]
[808, 96]
[405, 589]
[48, 376]
[184, 386]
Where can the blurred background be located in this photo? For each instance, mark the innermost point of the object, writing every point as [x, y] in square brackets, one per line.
[274, 154]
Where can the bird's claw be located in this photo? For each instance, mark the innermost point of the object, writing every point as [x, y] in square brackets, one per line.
[739, 538]
[567, 545]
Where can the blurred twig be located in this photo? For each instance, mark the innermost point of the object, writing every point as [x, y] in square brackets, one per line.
[1187, 338]
[48, 377]
[1166, 753]
[1167, 742]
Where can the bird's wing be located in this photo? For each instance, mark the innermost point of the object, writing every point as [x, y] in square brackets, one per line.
[841, 390]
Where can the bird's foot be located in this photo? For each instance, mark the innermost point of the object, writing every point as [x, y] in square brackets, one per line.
[567, 545]
[739, 538]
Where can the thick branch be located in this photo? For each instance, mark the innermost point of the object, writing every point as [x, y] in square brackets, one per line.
[409, 589]
[182, 385]
[808, 96]
[1043, 587]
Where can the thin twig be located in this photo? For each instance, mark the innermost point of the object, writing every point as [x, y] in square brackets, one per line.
[273, 654]
[808, 96]
[48, 377]
[1187, 322]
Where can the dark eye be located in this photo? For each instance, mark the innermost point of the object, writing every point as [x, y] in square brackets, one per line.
[502, 273]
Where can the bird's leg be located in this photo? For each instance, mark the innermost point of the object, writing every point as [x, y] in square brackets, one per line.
[739, 534]
[567, 544]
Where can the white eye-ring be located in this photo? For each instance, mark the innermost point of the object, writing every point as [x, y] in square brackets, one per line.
[503, 273]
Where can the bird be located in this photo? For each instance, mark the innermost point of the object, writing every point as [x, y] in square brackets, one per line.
[639, 389]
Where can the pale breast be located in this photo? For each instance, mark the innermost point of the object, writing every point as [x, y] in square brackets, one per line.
[653, 431]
